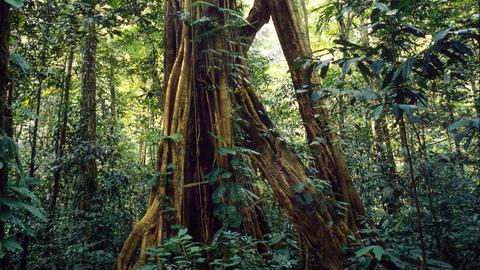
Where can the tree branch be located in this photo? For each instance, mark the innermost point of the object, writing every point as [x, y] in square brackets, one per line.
[257, 18]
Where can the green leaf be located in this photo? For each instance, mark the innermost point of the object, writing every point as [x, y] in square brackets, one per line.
[378, 112]
[202, 3]
[381, 6]
[300, 187]
[182, 232]
[10, 245]
[34, 211]
[23, 191]
[15, 3]
[460, 136]
[407, 67]
[377, 66]
[4, 216]
[438, 264]
[218, 173]
[176, 137]
[20, 62]
[440, 35]
[28, 113]
[307, 196]
[348, 63]
[363, 251]
[316, 96]
[392, 12]
[378, 251]
[219, 194]
[459, 124]
[224, 151]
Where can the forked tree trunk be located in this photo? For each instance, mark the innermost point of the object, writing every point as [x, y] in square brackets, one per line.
[193, 113]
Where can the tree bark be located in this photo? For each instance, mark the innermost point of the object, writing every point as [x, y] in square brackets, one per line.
[87, 185]
[6, 89]
[197, 124]
[329, 160]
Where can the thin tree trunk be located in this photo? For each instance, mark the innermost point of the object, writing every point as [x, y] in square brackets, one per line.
[62, 135]
[6, 101]
[87, 185]
[413, 181]
[113, 96]
[6, 94]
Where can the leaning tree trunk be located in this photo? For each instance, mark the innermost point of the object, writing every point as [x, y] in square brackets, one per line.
[329, 160]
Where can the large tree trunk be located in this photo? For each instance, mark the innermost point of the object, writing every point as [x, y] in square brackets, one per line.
[87, 185]
[197, 124]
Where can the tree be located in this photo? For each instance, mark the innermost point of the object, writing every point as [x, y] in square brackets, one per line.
[279, 165]
[6, 88]
[88, 115]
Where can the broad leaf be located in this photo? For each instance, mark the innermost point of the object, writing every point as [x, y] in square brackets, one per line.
[15, 3]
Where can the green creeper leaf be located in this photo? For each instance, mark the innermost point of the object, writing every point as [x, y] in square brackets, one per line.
[219, 194]
[460, 136]
[307, 196]
[15, 3]
[300, 187]
[438, 264]
[347, 64]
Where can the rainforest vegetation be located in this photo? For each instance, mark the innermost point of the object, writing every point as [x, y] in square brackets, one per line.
[239, 134]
